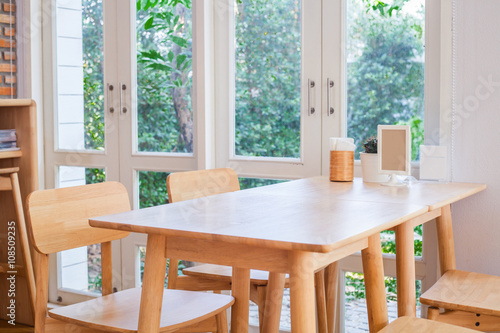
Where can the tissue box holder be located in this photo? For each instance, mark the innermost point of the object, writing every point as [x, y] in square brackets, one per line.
[341, 166]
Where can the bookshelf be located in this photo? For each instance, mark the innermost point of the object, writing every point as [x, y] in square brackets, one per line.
[21, 115]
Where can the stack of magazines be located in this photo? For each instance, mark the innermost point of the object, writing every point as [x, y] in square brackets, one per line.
[8, 140]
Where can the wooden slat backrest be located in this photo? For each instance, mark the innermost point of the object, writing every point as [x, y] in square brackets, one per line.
[202, 183]
[58, 219]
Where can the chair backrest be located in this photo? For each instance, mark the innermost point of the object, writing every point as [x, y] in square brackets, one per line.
[58, 219]
[202, 183]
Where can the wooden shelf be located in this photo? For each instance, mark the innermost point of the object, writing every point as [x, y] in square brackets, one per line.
[10, 154]
[18, 114]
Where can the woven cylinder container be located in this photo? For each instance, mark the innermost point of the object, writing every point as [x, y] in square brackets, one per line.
[341, 166]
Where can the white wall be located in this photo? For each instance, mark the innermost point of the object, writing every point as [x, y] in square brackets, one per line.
[477, 134]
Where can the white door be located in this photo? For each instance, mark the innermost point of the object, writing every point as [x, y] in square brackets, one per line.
[123, 103]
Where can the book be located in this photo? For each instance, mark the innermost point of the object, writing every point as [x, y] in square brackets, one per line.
[8, 135]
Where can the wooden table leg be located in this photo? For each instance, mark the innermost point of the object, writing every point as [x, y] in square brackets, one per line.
[302, 305]
[331, 289]
[241, 293]
[445, 240]
[319, 287]
[405, 270]
[152, 285]
[373, 269]
[274, 301]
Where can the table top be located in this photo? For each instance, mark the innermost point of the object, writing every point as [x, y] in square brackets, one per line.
[432, 194]
[290, 216]
[310, 214]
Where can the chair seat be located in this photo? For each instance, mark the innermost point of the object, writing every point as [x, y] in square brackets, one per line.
[465, 291]
[418, 325]
[225, 273]
[119, 312]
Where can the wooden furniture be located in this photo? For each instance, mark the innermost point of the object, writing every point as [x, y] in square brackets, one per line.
[203, 183]
[418, 325]
[470, 299]
[58, 221]
[298, 227]
[285, 228]
[19, 114]
[436, 197]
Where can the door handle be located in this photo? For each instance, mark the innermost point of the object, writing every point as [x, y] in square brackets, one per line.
[123, 108]
[310, 85]
[329, 85]
[110, 96]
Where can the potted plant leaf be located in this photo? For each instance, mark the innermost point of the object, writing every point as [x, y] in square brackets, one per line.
[369, 162]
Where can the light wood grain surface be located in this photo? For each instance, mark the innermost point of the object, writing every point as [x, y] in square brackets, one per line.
[121, 310]
[418, 325]
[51, 210]
[467, 291]
[320, 224]
[288, 221]
[432, 194]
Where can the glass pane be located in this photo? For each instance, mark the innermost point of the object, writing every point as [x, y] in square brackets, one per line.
[81, 267]
[268, 70]
[388, 240]
[385, 69]
[246, 183]
[164, 77]
[152, 188]
[356, 317]
[80, 88]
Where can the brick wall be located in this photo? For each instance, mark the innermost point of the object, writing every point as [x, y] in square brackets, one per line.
[8, 61]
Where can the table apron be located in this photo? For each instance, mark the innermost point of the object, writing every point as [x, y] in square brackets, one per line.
[248, 256]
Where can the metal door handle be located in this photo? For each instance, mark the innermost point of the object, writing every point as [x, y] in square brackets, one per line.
[310, 85]
[329, 85]
[110, 101]
[123, 108]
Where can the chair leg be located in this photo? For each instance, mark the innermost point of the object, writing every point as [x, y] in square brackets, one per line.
[23, 234]
[331, 290]
[222, 322]
[432, 313]
[319, 281]
[261, 303]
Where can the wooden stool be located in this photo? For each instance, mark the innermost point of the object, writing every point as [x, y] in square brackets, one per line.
[9, 181]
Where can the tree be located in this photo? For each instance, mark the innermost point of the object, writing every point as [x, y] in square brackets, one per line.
[164, 59]
[268, 68]
[385, 71]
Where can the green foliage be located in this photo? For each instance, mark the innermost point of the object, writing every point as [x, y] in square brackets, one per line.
[152, 188]
[164, 70]
[268, 70]
[385, 76]
[355, 287]
[246, 183]
[370, 146]
[93, 50]
[384, 8]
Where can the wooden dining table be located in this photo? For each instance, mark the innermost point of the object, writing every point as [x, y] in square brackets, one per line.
[298, 227]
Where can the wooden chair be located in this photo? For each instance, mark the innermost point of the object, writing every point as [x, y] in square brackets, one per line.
[469, 299]
[58, 221]
[418, 325]
[197, 184]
